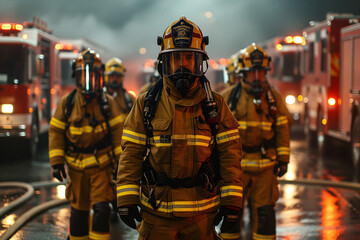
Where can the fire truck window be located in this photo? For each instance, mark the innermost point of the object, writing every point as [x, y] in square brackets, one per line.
[323, 54]
[275, 72]
[13, 60]
[311, 57]
[66, 71]
[290, 70]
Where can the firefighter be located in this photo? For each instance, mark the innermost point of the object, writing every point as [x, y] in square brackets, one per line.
[82, 136]
[181, 149]
[153, 78]
[264, 130]
[114, 78]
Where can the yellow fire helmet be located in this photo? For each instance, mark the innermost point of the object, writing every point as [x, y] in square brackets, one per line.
[88, 72]
[253, 57]
[230, 68]
[182, 37]
[114, 66]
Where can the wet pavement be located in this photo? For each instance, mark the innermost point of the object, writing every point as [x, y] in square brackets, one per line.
[303, 212]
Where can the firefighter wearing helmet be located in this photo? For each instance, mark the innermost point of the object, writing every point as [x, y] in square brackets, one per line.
[153, 78]
[114, 79]
[83, 136]
[264, 129]
[181, 147]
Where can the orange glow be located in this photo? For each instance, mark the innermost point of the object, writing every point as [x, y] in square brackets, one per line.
[224, 61]
[215, 65]
[279, 46]
[298, 39]
[36, 90]
[30, 110]
[64, 46]
[43, 100]
[132, 93]
[28, 91]
[324, 121]
[11, 26]
[330, 216]
[75, 52]
[288, 39]
[331, 101]
[52, 91]
[149, 64]
[212, 61]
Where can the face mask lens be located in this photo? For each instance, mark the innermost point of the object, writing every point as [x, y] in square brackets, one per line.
[182, 62]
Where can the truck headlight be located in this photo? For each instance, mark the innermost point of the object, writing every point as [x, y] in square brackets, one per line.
[290, 99]
[7, 108]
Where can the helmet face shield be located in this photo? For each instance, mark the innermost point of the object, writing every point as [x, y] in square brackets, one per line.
[89, 79]
[182, 62]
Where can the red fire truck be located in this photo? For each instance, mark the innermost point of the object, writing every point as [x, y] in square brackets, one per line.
[68, 50]
[321, 84]
[29, 82]
[285, 74]
[349, 111]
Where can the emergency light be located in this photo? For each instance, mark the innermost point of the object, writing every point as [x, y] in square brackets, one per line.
[11, 27]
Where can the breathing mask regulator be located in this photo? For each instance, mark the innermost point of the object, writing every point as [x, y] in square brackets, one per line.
[88, 72]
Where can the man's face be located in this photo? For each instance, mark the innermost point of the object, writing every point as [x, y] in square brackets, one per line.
[183, 59]
[115, 77]
[258, 74]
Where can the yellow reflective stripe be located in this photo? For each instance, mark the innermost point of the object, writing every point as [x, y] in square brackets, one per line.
[87, 162]
[119, 119]
[118, 150]
[134, 137]
[257, 236]
[242, 125]
[260, 163]
[186, 136]
[57, 123]
[86, 237]
[56, 152]
[230, 235]
[130, 189]
[281, 120]
[283, 151]
[192, 140]
[231, 190]
[100, 236]
[183, 206]
[227, 136]
[264, 125]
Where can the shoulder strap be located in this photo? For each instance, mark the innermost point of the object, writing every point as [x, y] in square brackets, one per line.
[128, 102]
[104, 106]
[70, 102]
[152, 99]
[234, 96]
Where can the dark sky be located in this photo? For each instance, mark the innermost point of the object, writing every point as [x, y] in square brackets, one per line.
[124, 26]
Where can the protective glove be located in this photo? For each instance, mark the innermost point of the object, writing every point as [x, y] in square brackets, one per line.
[231, 217]
[58, 172]
[128, 214]
[280, 168]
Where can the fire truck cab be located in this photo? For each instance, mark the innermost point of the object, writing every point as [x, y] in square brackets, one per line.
[321, 81]
[349, 118]
[29, 82]
[285, 74]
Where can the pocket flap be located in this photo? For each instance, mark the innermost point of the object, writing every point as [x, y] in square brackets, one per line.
[161, 124]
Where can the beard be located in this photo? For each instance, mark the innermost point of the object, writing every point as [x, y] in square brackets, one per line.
[183, 80]
[115, 86]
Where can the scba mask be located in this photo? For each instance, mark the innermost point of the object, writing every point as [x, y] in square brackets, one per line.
[90, 80]
[183, 68]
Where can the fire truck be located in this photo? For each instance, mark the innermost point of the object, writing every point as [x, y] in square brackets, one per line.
[349, 97]
[68, 50]
[285, 74]
[29, 82]
[322, 85]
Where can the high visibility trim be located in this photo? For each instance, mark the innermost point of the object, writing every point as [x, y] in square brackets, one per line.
[56, 152]
[100, 236]
[283, 151]
[87, 162]
[116, 120]
[57, 123]
[281, 120]
[231, 190]
[230, 235]
[182, 206]
[118, 150]
[191, 140]
[134, 137]
[86, 237]
[257, 236]
[227, 136]
[266, 126]
[259, 163]
[125, 190]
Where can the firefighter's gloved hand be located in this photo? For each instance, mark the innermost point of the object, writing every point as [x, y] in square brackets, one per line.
[128, 214]
[58, 172]
[280, 168]
[231, 217]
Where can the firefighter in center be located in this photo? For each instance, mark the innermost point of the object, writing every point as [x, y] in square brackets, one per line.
[264, 129]
[181, 149]
[83, 139]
